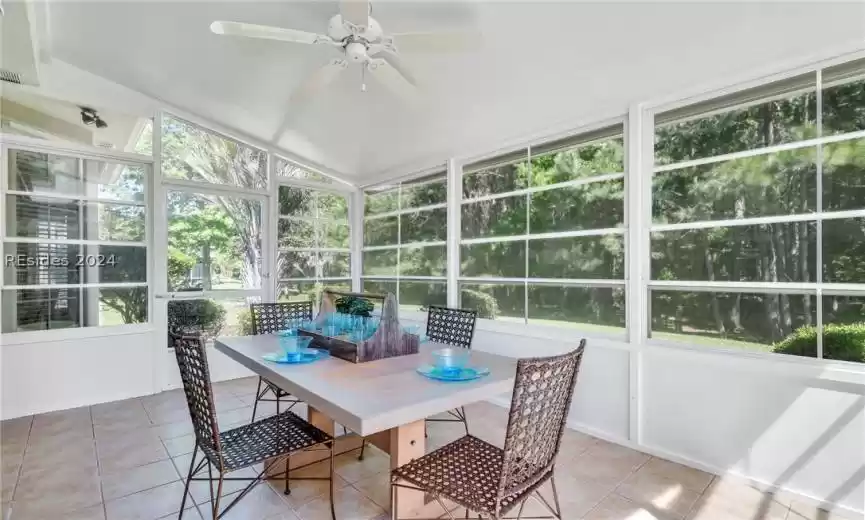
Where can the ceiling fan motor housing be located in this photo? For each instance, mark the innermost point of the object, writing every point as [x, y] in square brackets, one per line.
[356, 52]
[340, 30]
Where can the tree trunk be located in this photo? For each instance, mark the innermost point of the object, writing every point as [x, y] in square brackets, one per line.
[780, 247]
[206, 282]
[805, 273]
[736, 309]
[768, 267]
[716, 308]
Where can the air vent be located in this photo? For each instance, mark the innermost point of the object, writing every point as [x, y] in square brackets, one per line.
[9, 76]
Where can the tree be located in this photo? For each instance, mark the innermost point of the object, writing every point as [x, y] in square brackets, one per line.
[192, 153]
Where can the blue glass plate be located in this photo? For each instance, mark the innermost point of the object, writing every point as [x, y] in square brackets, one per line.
[465, 374]
[306, 356]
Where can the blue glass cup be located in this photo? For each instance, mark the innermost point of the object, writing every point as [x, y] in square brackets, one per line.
[331, 330]
[451, 361]
[294, 346]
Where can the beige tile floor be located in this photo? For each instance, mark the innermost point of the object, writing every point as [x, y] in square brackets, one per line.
[124, 460]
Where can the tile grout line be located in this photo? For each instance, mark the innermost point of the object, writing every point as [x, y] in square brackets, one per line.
[21, 467]
[98, 465]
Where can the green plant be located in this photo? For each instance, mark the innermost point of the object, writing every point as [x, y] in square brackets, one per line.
[354, 305]
[244, 322]
[484, 303]
[840, 342]
[205, 316]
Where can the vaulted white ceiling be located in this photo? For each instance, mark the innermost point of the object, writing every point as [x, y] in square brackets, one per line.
[543, 65]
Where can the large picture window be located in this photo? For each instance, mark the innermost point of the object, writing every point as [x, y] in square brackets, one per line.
[758, 219]
[313, 242]
[214, 188]
[74, 241]
[542, 234]
[404, 247]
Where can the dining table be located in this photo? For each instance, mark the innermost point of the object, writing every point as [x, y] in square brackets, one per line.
[383, 402]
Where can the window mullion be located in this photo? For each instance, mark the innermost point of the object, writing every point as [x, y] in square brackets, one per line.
[819, 253]
[454, 218]
[528, 234]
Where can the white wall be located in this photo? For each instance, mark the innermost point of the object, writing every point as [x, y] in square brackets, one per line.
[801, 431]
[776, 422]
[55, 375]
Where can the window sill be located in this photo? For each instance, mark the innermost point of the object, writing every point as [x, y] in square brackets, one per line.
[766, 362]
[553, 333]
[46, 336]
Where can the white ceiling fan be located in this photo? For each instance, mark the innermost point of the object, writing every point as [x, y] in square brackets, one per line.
[360, 39]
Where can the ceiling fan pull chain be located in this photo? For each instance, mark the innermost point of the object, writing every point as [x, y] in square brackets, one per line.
[363, 79]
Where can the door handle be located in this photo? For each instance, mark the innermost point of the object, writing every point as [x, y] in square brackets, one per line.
[184, 296]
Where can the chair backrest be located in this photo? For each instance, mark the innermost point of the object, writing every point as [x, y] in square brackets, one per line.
[184, 317]
[539, 408]
[195, 375]
[451, 326]
[269, 318]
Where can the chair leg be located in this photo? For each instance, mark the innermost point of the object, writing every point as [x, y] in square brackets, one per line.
[287, 479]
[464, 418]
[188, 480]
[362, 448]
[332, 508]
[210, 480]
[218, 496]
[520, 512]
[556, 496]
[257, 397]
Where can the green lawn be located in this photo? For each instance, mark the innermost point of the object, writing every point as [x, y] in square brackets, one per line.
[711, 341]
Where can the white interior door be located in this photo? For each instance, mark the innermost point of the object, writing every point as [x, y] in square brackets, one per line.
[212, 261]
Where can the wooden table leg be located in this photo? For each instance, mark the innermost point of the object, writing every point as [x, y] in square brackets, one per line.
[407, 442]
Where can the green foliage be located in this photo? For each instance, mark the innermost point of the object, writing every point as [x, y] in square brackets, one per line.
[179, 265]
[484, 303]
[840, 342]
[244, 322]
[354, 305]
[204, 316]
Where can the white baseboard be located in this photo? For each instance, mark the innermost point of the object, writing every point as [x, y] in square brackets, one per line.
[708, 468]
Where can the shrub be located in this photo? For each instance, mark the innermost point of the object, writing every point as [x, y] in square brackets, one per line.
[244, 322]
[840, 342]
[484, 303]
[204, 316]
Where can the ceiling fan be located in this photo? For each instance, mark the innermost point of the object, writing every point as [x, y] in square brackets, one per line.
[360, 39]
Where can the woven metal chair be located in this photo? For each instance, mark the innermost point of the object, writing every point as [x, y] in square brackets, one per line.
[270, 318]
[455, 327]
[492, 481]
[268, 441]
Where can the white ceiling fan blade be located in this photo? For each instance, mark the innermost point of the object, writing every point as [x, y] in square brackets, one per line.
[393, 80]
[395, 62]
[437, 41]
[251, 30]
[355, 11]
[318, 80]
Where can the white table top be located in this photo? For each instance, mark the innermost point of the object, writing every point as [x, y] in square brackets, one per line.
[375, 396]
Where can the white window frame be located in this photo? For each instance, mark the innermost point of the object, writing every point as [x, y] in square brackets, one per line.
[335, 188]
[81, 153]
[438, 173]
[523, 328]
[817, 288]
[639, 135]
